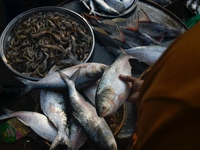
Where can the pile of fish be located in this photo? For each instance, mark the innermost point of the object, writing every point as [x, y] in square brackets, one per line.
[137, 35]
[110, 7]
[45, 39]
[68, 117]
[114, 7]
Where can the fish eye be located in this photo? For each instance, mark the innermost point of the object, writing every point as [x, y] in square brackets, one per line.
[103, 108]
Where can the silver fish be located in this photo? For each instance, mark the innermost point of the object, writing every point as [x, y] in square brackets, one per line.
[39, 123]
[89, 73]
[106, 8]
[111, 91]
[96, 127]
[147, 54]
[54, 107]
[116, 4]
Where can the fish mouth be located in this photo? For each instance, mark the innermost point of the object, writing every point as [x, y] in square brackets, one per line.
[105, 109]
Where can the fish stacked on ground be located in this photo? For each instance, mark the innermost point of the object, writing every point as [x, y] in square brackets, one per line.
[133, 34]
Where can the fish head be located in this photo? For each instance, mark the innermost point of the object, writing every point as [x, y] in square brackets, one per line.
[104, 102]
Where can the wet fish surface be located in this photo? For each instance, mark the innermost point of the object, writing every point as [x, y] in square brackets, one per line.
[54, 107]
[147, 54]
[90, 72]
[96, 127]
[111, 91]
[38, 122]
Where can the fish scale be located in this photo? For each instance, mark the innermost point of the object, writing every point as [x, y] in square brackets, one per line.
[90, 72]
[96, 127]
[111, 91]
[53, 105]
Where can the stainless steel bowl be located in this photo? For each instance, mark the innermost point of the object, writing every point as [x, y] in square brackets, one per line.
[10, 32]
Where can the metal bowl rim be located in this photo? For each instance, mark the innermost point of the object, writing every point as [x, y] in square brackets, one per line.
[36, 10]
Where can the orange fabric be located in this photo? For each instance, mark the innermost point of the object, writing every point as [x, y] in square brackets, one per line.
[169, 101]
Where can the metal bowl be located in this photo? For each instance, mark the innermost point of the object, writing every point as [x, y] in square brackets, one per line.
[45, 37]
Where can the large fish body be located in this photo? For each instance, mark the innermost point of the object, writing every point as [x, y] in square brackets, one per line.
[54, 107]
[89, 73]
[146, 54]
[36, 121]
[111, 91]
[96, 127]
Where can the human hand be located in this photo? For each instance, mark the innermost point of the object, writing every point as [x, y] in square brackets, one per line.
[135, 88]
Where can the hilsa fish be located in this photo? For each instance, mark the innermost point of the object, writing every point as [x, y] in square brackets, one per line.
[106, 8]
[54, 107]
[147, 54]
[111, 91]
[96, 127]
[38, 122]
[89, 73]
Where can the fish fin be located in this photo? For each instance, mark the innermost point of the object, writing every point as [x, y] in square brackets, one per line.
[142, 16]
[100, 30]
[132, 23]
[123, 51]
[95, 20]
[5, 110]
[118, 35]
[28, 86]
[75, 75]
[160, 39]
[59, 140]
[53, 69]
[64, 77]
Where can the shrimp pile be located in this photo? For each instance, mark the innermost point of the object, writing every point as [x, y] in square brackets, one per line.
[45, 39]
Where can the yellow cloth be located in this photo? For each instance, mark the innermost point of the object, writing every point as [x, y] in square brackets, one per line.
[169, 101]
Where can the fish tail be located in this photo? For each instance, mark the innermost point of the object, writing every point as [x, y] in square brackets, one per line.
[7, 113]
[55, 143]
[142, 16]
[118, 35]
[5, 110]
[59, 140]
[29, 85]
